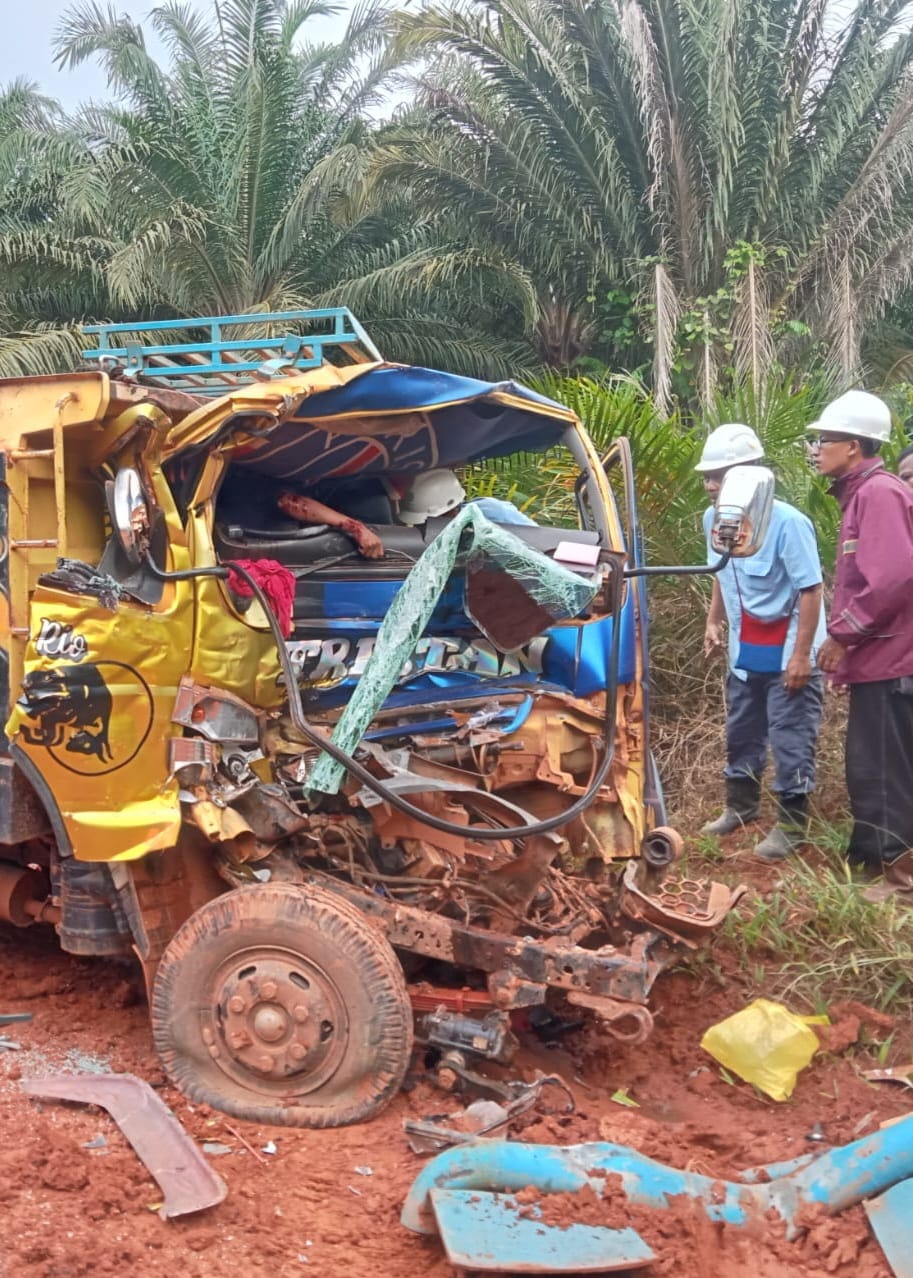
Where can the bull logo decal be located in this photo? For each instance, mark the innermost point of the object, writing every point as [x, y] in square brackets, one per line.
[88, 723]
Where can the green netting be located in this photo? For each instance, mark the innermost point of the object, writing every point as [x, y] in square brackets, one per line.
[538, 593]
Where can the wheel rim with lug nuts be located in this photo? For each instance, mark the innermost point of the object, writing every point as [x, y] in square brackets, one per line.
[278, 1017]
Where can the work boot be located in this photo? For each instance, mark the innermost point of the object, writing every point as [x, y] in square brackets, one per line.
[790, 832]
[897, 880]
[743, 803]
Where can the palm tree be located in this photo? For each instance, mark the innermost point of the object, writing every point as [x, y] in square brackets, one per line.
[206, 171]
[746, 164]
[40, 276]
[225, 182]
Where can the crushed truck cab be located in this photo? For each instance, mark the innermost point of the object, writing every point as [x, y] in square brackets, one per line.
[298, 783]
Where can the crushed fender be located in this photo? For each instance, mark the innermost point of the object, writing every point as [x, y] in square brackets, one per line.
[172, 1158]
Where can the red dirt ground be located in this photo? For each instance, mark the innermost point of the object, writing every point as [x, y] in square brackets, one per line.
[70, 1211]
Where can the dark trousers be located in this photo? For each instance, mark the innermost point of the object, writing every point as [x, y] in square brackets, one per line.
[761, 713]
[879, 770]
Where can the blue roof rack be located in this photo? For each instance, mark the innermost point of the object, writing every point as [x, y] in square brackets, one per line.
[217, 354]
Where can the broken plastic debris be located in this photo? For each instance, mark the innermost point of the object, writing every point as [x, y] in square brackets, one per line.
[365, 1171]
[215, 1147]
[97, 1142]
[621, 1097]
[893, 1074]
[766, 1045]
[269, 1148]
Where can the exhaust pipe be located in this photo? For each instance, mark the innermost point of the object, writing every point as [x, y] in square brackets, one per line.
[24, 897]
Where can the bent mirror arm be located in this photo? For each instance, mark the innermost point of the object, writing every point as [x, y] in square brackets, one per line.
[740, 522]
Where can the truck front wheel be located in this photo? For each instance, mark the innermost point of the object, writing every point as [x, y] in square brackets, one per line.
[283, 1004]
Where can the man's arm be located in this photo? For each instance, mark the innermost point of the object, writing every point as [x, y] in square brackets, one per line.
[799, 667]
[713, 633]
[310, 511]
[884, 563]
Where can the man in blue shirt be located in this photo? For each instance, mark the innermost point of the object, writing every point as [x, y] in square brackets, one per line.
[773, 605]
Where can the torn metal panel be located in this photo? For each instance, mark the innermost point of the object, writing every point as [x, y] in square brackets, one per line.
[185, 1178]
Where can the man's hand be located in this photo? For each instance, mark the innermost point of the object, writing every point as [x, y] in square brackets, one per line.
[830, 654]
[714, 639]
[797, 674]
[368, 543]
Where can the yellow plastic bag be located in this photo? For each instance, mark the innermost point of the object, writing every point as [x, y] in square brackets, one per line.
[765, 1044]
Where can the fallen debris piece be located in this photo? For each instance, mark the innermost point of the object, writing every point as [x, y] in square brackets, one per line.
[481, 1118]
[97, 1142]
[836, 1179]
[891, 1074]
[431, 1135]
[246, 1143]
[215, 1148]
[485, 1231]
[13, 1018]
[269, 1148]
[364, 1171]
[889, 1216]
[187, 1181]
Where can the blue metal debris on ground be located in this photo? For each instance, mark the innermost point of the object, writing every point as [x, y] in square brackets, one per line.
[492, 1232]
[837, 1179]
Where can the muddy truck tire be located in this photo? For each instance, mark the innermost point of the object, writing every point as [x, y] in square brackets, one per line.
[282, 1004]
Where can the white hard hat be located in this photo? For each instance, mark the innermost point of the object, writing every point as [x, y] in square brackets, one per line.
[856, 413]
[732, 444]
[434, 492]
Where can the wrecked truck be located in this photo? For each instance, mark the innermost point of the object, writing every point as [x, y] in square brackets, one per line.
[427, 787]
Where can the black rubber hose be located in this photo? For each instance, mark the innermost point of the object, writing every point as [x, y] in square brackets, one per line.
[367, 778]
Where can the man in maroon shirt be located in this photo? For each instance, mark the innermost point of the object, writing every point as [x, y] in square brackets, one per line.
[870, 632]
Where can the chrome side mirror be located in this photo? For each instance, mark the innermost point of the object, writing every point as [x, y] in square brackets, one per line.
[130, 513]
[743, 510]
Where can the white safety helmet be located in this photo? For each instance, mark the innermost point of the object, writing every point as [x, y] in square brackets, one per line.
[434, 492]
[732, 444]
[856, 413]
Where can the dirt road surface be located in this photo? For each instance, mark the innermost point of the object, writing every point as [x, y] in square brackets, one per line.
[326, 1204]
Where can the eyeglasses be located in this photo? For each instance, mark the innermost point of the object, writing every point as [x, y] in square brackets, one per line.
[821, 441]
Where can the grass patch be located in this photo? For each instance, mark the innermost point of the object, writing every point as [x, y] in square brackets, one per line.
[828, 941]
[703, 850]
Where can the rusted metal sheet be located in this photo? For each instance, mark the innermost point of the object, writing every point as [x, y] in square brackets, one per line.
[181, 1171]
